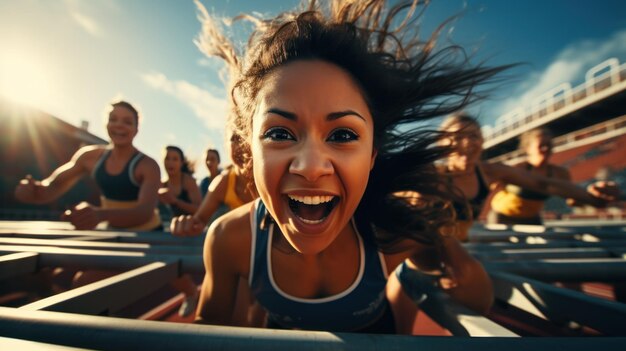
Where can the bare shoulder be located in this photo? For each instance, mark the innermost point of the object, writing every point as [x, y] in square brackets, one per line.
[226, 171]
[403, 250]
[90, 151]
[87, 156]
[148, 165]
[392, 261]
[220, 182]
[230, 236]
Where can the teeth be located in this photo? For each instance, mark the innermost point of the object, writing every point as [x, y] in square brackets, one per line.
[312, 200]
[309, 221]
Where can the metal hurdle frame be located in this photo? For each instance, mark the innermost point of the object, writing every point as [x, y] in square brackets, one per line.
[520, 268]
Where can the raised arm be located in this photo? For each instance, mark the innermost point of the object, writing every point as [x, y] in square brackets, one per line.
[550, 186]
[226, 260]
[193, 225]
[60, 181]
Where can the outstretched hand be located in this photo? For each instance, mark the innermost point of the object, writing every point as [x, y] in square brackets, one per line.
[166, 196]
[82, 216]
[27, 189]
[187, 225]
[604, 190]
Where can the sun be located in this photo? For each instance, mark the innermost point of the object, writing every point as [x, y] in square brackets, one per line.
[26, 77]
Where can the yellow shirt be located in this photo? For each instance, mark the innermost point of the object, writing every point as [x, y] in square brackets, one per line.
[230, 198]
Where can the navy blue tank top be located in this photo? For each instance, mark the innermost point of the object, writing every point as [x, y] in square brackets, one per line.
[120, 187]
[183, 196]
[361, 305]
[475, 204]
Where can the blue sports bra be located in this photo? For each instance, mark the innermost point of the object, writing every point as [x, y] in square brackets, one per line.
[359, 306]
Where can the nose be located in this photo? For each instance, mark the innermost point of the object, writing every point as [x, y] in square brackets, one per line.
[311, 162]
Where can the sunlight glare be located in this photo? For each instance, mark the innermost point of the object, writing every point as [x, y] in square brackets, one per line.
[25, 77]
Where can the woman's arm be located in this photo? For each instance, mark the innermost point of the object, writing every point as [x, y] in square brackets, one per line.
[60, 181]
[464, 277]
[226, 260]
[192, 225]
[540, 183]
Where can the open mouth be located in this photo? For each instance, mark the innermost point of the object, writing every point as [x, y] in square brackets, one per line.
[312, 209]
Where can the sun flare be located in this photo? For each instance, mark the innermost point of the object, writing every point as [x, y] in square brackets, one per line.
[26, 77]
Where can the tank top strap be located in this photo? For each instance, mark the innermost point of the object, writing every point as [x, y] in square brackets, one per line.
[132, 165]
[258, 241]
[99, 164]
[483, 187]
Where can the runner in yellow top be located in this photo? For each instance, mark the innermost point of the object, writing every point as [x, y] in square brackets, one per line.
[513, 204]
[229, 188]
[469, 175]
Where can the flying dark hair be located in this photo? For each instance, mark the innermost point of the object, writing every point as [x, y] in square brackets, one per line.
[405, 81]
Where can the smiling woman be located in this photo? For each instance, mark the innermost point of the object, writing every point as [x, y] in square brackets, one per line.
[317, 100]
[26, 78]
[127, 179]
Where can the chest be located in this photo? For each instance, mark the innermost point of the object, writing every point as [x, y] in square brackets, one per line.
[468, 184]
[328, 276]
[116, 166]
[175, 188]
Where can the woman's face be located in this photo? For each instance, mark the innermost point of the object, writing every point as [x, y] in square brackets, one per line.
[172, 162]
[467, 142]
[312, 151]
[212, 161]
[539, 149]
[121, 126]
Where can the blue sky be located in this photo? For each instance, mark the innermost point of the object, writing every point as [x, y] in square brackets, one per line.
[70, 58]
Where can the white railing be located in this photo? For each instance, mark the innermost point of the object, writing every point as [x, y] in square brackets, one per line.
[592, 134]
[597, 79]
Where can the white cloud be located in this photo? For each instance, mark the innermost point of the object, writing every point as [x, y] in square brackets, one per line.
[569, 66]
[206, 106]
[87, 23]
[78, 12]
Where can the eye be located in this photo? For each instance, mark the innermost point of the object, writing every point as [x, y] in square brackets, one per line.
[278, 134]
[343, 136]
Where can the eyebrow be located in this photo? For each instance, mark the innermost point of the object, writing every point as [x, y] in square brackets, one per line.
[330, 117]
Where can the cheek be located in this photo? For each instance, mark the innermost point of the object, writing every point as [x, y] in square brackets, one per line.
[265, 169]
[354, 170]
